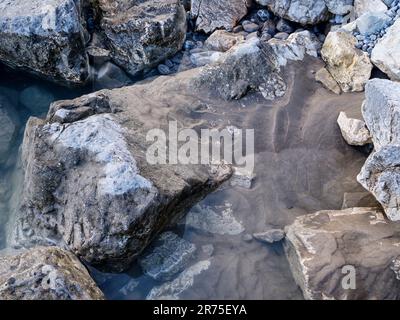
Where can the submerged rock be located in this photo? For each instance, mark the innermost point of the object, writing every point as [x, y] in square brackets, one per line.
[222, 40]
[45, 274]
[36, 99]
[381, 172]
[169, 254]
[9, 123]
[141, 34]
[325, 78]
[173, 289]
[345, 255]
[44, 37]
[349, 66]
[216, 14]
[353, 131]
[270, 236]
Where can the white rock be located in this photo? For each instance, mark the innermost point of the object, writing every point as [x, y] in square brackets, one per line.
[353, 131]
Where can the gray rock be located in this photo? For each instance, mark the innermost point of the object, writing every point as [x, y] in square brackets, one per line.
[370, 23]
[369, 6]
[45, 37]
[359, 199]
[325, 248]
[45, 274]
[168, 255]
[141, 34]
[325, 78]
[385, 54]
[380, 173]
[217, 14]
[270, 236]
[354, 131]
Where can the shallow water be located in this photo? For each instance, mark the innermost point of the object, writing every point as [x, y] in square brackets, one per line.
[302, 165]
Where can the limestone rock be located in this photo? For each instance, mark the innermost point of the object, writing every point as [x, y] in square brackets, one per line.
[369, 6]
[222, 40]
[45, 274]
[141, 34]
[325, 247]
[325, 78]
[349, 66]
[216, 14]
[381, 172]
[385, 55]
[353, 131]
[44, 37]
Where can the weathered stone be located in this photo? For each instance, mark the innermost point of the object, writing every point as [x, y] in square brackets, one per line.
[44, 37]
[368, 6]
[325, 78]
[385, 54]
[325, 247]
[349, 66]
[141, 34]
[270, 236]
[353, 131]
[45, 274]
[216, 14]
[222, 40]
[167, 256]
[381, 172]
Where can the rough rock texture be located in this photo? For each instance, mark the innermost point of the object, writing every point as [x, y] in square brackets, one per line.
[45, 274]
[88, 184]
[365, 6]
[8, 127]
[349, 66]
[222, 40]
[216, 14]
[381, 172]
[307, 11]
[44, 37]
[325, 78]
[270, 236]
[295, 47]
[353, 131]
[323, 248]
[140, 34]
[386, 55]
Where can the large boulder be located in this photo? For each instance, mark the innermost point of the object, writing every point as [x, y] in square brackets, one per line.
[307, 11]
[89, 184]
[345, 255]
[45, 37]
[386, 55]
[216, 14]
[381, 172]
[140, 34]
[45, 274]
[349, 66]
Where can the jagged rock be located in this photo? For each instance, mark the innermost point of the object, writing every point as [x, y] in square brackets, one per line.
[216, 14]
[44, 37]
[9, 123]
[171, 290]
[169, 254]
[380, 173]
[141, 34]
[385, 54]
[349, 66]
[270, 236]
[222, 40]
[326, 247]
[325, 78]
[353, 131]
[369, 6]
[295, 47]
[45, 274]
[250, 65]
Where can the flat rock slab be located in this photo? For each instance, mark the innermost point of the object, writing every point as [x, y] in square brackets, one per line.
[45, 274]
[323, 248]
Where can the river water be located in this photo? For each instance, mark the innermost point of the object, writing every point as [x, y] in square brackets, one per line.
[302, 165]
